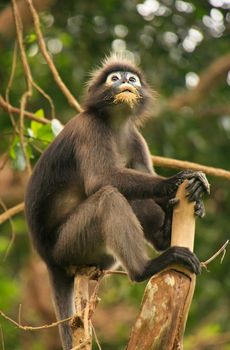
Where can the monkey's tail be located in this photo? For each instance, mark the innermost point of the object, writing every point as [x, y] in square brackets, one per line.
[62, 288]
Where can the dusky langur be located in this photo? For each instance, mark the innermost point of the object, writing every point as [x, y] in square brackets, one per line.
[94, 198]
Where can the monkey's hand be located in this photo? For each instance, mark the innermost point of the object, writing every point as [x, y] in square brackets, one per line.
[197, 184]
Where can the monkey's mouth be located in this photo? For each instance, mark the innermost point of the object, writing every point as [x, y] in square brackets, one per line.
[128, 97]
[127, 94]
[127, 88]
[127, 91]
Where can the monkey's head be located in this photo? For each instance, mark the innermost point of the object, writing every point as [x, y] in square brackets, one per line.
[118, 83]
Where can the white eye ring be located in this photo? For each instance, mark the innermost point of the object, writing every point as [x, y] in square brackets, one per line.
[134, 79]
[112, 78]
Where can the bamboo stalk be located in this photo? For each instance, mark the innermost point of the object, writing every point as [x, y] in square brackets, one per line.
[161, 322]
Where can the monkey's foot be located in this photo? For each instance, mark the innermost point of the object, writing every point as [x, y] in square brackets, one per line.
[183, 256]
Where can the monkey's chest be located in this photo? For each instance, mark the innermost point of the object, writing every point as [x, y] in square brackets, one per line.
[124, 160]
[123, 153]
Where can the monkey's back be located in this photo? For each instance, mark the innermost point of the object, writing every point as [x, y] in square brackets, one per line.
[55, 188]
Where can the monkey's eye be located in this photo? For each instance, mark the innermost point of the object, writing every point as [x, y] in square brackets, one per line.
[113, 77]
[133, 78]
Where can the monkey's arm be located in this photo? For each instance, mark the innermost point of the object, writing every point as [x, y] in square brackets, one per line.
[101, 166]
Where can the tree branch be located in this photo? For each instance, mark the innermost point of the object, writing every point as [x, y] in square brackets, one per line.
[28, 77]
[209, 78]
[158, 161]
[11, 212]
[71, 99]
[9, 108]
[181, 164]
[30, 328]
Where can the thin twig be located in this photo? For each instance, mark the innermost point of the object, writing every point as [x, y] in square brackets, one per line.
[3, 160]
[30, 328]
[223, 256]
[71, 99]
[28, 93]
[2, 338]
[7, 97]
[96, 338]
[11, 212]
[49, 99]
[8, 107]
[20, 314]
[12, 239]
[180, 164]
[118, 272]
[222, 249]
[10, 83]
[82, 345]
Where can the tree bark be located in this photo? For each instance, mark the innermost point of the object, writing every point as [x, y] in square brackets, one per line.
[81, 324]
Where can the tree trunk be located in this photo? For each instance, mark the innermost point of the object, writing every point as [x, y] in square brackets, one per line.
[81, 325]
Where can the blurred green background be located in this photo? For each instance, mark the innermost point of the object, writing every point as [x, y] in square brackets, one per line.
[176, 44]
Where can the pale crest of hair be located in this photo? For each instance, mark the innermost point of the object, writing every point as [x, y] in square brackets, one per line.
[119, 57]
[110, 60]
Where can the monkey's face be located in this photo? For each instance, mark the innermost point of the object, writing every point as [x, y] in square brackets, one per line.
[125, 87]
[119, 87]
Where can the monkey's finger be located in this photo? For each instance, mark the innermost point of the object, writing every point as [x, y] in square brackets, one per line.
[173, 202]
[185, 257]
[192, 187]
[192, 197]
[199, 175]
[190, 182]
[199, 209]
[193, 263]
[202, 178]
[193, 267]
[187, 253]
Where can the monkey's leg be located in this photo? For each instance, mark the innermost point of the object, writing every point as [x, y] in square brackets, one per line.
[102, 227]
[156, 221]
[106, 221]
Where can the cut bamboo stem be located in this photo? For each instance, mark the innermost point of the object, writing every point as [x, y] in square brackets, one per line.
[183, 224]
[161, 322]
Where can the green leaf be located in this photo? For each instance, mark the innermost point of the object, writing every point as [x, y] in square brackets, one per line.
[35, 126]
[31, 38]
[12, 152]
[44, 133]
[40, 113]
